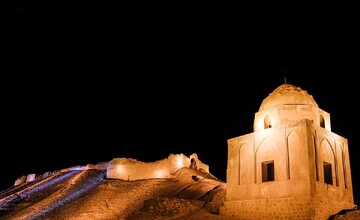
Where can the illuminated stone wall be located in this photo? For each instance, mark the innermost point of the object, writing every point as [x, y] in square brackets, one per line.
[25, 178]
[291, 166]
[132, 169]
[20, 180]
[32, 177]
[98, 166]
[282, 208]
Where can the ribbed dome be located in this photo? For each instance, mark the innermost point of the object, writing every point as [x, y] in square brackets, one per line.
[287, 94]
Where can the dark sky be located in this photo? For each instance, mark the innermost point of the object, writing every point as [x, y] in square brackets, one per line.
[86, 84]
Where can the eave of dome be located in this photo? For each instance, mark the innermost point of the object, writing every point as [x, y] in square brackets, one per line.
[287, 94]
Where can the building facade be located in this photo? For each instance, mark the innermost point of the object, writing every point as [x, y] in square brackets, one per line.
[292, 166]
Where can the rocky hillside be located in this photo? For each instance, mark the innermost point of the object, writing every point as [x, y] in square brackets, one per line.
[88, 194]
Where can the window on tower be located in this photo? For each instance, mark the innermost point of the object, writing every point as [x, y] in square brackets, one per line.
[268, 171]
[267, 122]
[328, 173]
[322, 121]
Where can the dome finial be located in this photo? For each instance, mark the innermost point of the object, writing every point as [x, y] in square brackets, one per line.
[285, 76]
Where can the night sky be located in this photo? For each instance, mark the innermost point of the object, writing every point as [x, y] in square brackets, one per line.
[86, 84]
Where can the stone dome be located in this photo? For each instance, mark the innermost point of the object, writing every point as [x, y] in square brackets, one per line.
[287, 94]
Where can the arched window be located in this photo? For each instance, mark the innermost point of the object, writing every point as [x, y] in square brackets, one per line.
[267, 122]
[322, 121]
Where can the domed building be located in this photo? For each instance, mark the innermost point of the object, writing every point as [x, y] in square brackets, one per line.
[292, 166]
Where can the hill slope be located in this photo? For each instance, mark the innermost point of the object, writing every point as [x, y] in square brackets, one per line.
[88, 194]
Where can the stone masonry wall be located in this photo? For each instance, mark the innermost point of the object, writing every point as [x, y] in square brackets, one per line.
[300, 208]
[324, 209]
[281, 208]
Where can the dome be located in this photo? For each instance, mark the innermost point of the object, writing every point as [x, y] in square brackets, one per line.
[287, 94]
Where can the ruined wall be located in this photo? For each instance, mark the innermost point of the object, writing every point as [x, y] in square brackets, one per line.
[132, 169]
[32, 177]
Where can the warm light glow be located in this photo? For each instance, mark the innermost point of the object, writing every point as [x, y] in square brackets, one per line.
[179, 162]
[131, 169]
[120, 169]
[161, 173]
